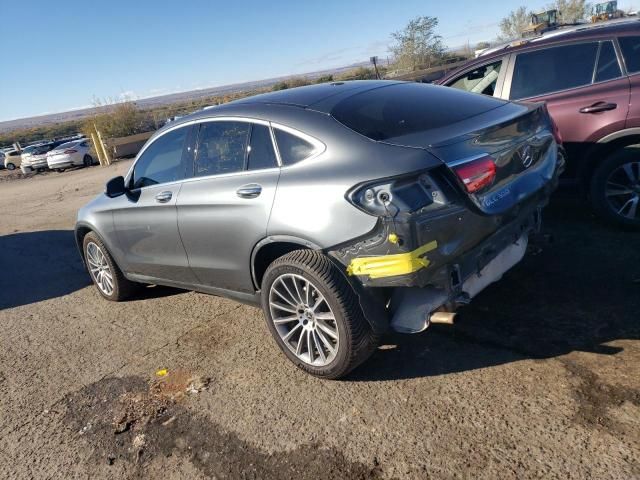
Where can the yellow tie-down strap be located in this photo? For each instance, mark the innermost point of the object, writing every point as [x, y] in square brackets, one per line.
[391, 265]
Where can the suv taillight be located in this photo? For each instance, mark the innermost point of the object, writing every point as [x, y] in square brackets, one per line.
[477, 174]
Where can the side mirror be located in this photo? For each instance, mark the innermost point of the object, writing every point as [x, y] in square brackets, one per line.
[115, 187]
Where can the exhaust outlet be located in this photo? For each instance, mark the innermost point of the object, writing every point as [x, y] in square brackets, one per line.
[442, 317]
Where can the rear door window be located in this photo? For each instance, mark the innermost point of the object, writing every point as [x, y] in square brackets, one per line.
[261, 153]
[482, 79]
[630, 47]
[222, 148]
[553, 69]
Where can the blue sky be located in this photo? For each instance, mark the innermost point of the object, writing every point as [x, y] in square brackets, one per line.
[58, 55]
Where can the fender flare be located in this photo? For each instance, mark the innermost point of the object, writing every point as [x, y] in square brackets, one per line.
[92, 229]
[276, 239]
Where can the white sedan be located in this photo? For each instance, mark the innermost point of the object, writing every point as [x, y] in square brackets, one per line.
[70, 154]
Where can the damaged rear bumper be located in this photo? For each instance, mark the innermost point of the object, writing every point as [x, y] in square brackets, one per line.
[442, 258]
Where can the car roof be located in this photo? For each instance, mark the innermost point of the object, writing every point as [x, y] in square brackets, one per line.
[311, 94]
[560, 36]
[564, 34]
[320, 97]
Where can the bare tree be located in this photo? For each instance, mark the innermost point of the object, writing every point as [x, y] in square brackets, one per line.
[515, 23]
[571, 11]
[417, 44]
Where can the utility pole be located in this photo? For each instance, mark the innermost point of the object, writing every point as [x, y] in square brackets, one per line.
[374, 60]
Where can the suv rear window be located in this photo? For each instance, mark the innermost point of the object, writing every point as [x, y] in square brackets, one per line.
[553, 69]
[406, 108]
[630, 47]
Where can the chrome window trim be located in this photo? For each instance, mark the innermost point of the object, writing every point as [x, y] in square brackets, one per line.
[197, 122]
[507, 92]
[275, 145]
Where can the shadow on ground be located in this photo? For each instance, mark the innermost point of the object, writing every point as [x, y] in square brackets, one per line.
[37, 266]
[578, 293]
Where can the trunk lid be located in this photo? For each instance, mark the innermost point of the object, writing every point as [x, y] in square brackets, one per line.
[515, 140]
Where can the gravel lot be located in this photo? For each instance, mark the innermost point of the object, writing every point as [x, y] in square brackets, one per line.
[539, 378]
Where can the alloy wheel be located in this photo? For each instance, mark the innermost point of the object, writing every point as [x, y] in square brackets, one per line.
[99, 268]
[303, 319]
[622, 190]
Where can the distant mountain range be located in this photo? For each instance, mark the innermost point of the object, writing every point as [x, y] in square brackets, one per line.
[151, 102]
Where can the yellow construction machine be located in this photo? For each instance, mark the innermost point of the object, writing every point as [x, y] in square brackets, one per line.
[606, 11]
[541, 22]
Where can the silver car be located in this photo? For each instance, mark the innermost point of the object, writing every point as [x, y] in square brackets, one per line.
[342, 209]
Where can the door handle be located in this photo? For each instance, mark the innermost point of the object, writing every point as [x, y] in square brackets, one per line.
[163, 197]
[252, 190]
[599, 107]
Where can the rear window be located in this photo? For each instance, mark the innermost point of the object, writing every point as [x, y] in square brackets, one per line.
[630, 47]
[406, 108]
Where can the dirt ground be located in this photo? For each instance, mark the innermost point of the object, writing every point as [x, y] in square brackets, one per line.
[540, 376]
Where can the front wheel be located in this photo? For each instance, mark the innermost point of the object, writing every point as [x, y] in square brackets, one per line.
[87, 161]
[615, 188]
[10, 166]
[107, 277]
[315, 316]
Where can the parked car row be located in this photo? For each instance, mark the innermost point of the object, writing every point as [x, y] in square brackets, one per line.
[55, 155]
[589, 77]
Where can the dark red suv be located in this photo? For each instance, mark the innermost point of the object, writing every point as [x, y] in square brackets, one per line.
[589, 76]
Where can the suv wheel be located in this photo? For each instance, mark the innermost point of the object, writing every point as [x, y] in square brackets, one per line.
[615, 188]
[10, 166]
[314, 315]
[107, 277]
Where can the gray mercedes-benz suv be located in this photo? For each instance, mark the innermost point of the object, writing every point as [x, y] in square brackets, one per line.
[343, 209]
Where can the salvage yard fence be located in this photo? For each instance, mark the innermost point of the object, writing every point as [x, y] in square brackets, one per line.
[111, 148]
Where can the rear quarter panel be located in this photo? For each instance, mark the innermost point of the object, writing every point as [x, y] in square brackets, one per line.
[310, 201]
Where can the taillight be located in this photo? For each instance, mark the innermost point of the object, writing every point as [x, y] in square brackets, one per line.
[71, 151]
[477, 174]
[407, 193]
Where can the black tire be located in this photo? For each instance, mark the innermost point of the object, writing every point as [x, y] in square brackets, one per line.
[10, 166]
[87, 161]
[357, 340]
[610, 170]
[122, 288]
[59, 170]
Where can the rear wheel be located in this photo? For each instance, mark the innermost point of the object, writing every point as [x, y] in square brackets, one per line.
[10, 166]
[315, 316]
[59, 170]
[107, 277]
[87, 161]
[615, 188]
